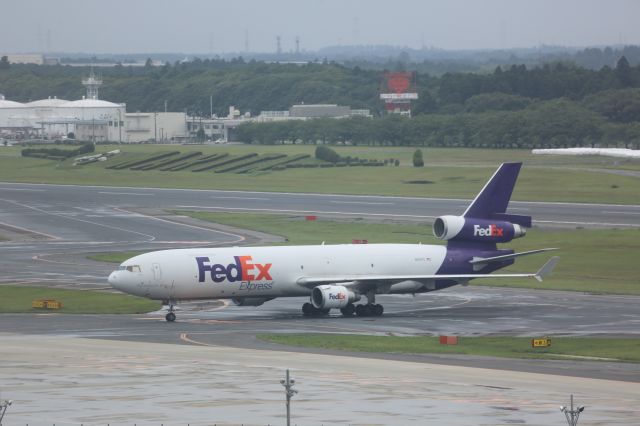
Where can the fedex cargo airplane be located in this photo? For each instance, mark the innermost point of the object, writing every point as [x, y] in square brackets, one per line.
[338, 276]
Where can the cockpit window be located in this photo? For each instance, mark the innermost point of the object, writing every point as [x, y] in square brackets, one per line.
[130, 268]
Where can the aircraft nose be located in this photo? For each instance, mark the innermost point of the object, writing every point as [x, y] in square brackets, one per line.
[113, 279]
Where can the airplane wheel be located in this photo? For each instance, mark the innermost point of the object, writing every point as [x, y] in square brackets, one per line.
[324, 311]
[348, 310]
[377, 310]
[363, 310]
[307, 309]
[170, 317]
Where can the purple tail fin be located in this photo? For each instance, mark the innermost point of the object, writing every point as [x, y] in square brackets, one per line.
[492, 201]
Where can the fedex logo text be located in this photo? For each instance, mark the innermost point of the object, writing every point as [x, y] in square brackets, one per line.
[337, 296]
[490, 231]
[242, 270]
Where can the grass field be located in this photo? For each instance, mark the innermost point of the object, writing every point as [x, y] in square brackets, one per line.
[451, 173]
[17, 299]
[587, 256]
[627, 350]
[113, 257]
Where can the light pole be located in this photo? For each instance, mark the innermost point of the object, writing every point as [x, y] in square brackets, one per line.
[571, 414]
[290, 391]
[3, 408]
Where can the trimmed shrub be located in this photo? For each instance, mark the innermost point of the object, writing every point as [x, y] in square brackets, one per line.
[284, 163]
[417, 158]
[135, 163]
[199, 162]
[327, 154]
[224, 163]
[167, 162]
[57, 153]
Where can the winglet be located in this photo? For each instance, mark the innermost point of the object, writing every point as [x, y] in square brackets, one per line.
[547, 268]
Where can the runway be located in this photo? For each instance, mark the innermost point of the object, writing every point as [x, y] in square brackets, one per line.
[96, 200]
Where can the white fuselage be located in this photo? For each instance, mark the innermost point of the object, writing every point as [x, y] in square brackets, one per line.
[222, 273]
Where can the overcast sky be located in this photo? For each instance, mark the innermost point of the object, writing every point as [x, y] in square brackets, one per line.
[212, 26]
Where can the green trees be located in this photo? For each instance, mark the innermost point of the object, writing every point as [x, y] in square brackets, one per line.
[258, 86]
[555, 123]
[557, 104]
[4, 63]
[417, 158]
[620, 106]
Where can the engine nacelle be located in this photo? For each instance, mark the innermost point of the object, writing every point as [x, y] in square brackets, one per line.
[458, 228]
[332, 296]
[250, 301]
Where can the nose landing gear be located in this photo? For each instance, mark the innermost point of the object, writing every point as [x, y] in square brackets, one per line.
[171, 316]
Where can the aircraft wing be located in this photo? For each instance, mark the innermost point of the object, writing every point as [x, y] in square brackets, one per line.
[311, 282]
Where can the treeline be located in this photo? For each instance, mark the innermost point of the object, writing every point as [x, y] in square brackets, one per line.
[610, 118]
[257, 86]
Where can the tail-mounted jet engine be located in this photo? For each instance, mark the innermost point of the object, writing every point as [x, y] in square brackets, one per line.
[459, 228]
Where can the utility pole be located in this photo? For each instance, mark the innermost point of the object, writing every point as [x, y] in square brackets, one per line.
[210, 106]
[155, 127]
[571, 414]
[290, 391]
[3, 408]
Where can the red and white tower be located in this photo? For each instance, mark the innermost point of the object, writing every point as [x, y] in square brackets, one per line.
[398, 90]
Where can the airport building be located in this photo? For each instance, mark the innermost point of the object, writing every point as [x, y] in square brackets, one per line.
[157, 126]
[93, 119]
[54, 118]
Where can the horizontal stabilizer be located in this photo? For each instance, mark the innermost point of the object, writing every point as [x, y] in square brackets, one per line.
[482, 260]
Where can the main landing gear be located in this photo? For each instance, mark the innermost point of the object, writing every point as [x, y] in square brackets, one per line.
[171, 316]
[370, 309]
[308, 310]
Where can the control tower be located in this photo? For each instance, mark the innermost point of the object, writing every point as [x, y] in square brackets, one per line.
[92, 84]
